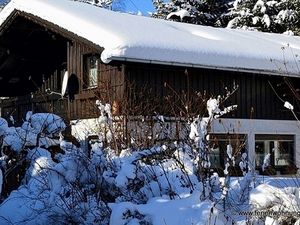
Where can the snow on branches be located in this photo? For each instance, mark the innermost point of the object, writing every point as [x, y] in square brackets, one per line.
[101, 3]
[270, 16]
[279, 16]
[198, 12]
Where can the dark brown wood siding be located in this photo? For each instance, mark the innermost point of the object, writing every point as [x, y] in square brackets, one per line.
[117, 83]
[47, 98]
[109, 87]
[255, 97]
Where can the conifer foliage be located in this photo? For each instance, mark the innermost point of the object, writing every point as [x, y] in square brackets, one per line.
[271, 16]
[203, 12]
[276, 16]
[101, 3]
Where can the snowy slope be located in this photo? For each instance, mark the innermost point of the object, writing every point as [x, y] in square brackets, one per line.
[136, 38]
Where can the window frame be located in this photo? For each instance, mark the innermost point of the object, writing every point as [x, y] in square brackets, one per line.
[274, 144]
[91, 71]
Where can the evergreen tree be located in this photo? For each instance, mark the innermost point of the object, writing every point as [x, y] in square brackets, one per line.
[205, 12]
[3, 3]
[116, 5]
[276, 16]
[100, 3]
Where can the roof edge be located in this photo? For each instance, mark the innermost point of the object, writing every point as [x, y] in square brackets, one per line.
[8, 20]
[57, 29]
[191, 65]
[49, 25]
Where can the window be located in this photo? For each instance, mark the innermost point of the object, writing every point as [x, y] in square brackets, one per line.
[218, 151]
[91, 70]
[281, 150]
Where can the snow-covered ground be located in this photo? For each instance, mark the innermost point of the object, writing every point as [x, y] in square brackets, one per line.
[149, 186]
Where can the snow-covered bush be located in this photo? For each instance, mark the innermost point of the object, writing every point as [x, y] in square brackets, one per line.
[74, 186]
[38, 130]
[62, 192]
[63, 188]
[155, 172]
[151, 180]
[276, 205]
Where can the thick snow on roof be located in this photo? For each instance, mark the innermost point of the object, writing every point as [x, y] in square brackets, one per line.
[135, 38]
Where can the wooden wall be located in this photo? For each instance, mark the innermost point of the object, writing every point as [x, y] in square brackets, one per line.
[109, 88]
[254, 97]
[39, 101]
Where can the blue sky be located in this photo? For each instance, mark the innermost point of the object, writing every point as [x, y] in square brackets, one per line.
[144, 6]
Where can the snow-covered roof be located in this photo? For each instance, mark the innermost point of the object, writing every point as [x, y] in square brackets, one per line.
[136, 38]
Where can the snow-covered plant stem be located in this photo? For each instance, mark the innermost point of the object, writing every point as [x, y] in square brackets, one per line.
[107, 132]
[199, 135]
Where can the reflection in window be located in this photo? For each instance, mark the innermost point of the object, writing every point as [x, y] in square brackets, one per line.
[280, 148]
[91, 64]
[218, 151]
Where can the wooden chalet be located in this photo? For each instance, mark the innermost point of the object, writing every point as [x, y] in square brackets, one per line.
[124, 59]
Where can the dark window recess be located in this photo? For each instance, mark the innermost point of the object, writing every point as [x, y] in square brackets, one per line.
[58, 80]
[218, 152]
[72, 86]
[91, 70]
[281, 150]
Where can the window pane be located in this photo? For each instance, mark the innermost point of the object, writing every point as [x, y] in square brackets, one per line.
[218, 151]
[283, 153]
[280, 148]
[260, 152]
[91, 70]
[93, 77]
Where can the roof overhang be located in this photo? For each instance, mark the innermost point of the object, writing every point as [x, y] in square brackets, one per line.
[124, 37]
[47, 25]
[29, 53]
[190, 65]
